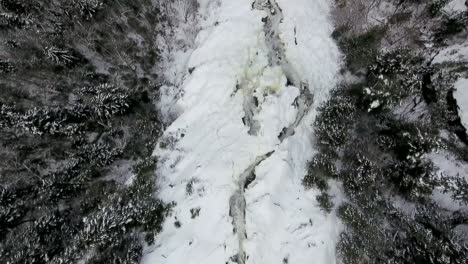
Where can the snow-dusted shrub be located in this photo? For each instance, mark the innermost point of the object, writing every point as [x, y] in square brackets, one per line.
[62, 184]
[450, 26]
[409, 141]
[29, 243]
[184, 9]
[393, 76]
[122, 251]
[12, 210]
[12, 21]
[60, 145]
[115, 222]
[113, 217]
[335, 118]
[38, 121]
[390, 62]
[61, 56]
[88, 9]
[364, 241]
[107, 100]
[389, 214]
[428, 236]
[6, 66]
[414, 180]
[8, 116]
[319, 171]
[436, 5]
[408, 144]
[359, 176]
[98, 154]
[457, 187]
[325, 202]
[362, 48]
[391, 236]
[17, 6]
[50, 121]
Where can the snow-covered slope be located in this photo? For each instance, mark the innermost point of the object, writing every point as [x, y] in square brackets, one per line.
[454, 53]
[454, 6]
[447, 166]
[461, 95]
[233, 160]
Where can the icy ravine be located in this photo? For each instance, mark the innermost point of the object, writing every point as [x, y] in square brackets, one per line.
[237, 151]
[237, 206]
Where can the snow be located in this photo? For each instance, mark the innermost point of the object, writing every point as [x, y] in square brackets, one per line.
[461, 95]
[455, 6]
[454, 53]
[373, 105]
[413, 109]
[177, 43]
[447, 166]
[101, 65]
[380, 11]
[211, 150]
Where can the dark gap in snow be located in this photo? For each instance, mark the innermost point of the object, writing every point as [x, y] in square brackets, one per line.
[236, 89]
[237, 259]
[250, 105]
[271, 22]
[428, 91]
[295, 103]
[286, 132]
[195, 212]
[255, 99]
[295, 36]
[302, 103]
[237, 204]
[249, 179]
[276, 55]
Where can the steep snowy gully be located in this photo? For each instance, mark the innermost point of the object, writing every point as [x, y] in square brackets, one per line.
[234, 158]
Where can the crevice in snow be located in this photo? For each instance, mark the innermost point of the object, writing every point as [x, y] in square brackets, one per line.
[250, 106]
[237, 206]
[303, 103]
[271, 22]
[277, 57]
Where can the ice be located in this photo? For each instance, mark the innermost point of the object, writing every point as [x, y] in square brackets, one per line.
[212, 146]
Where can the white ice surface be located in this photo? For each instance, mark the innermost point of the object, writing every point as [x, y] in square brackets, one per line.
[461, 95]
[210, 145]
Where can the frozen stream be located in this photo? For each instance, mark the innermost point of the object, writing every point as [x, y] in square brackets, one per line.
[234, 158]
